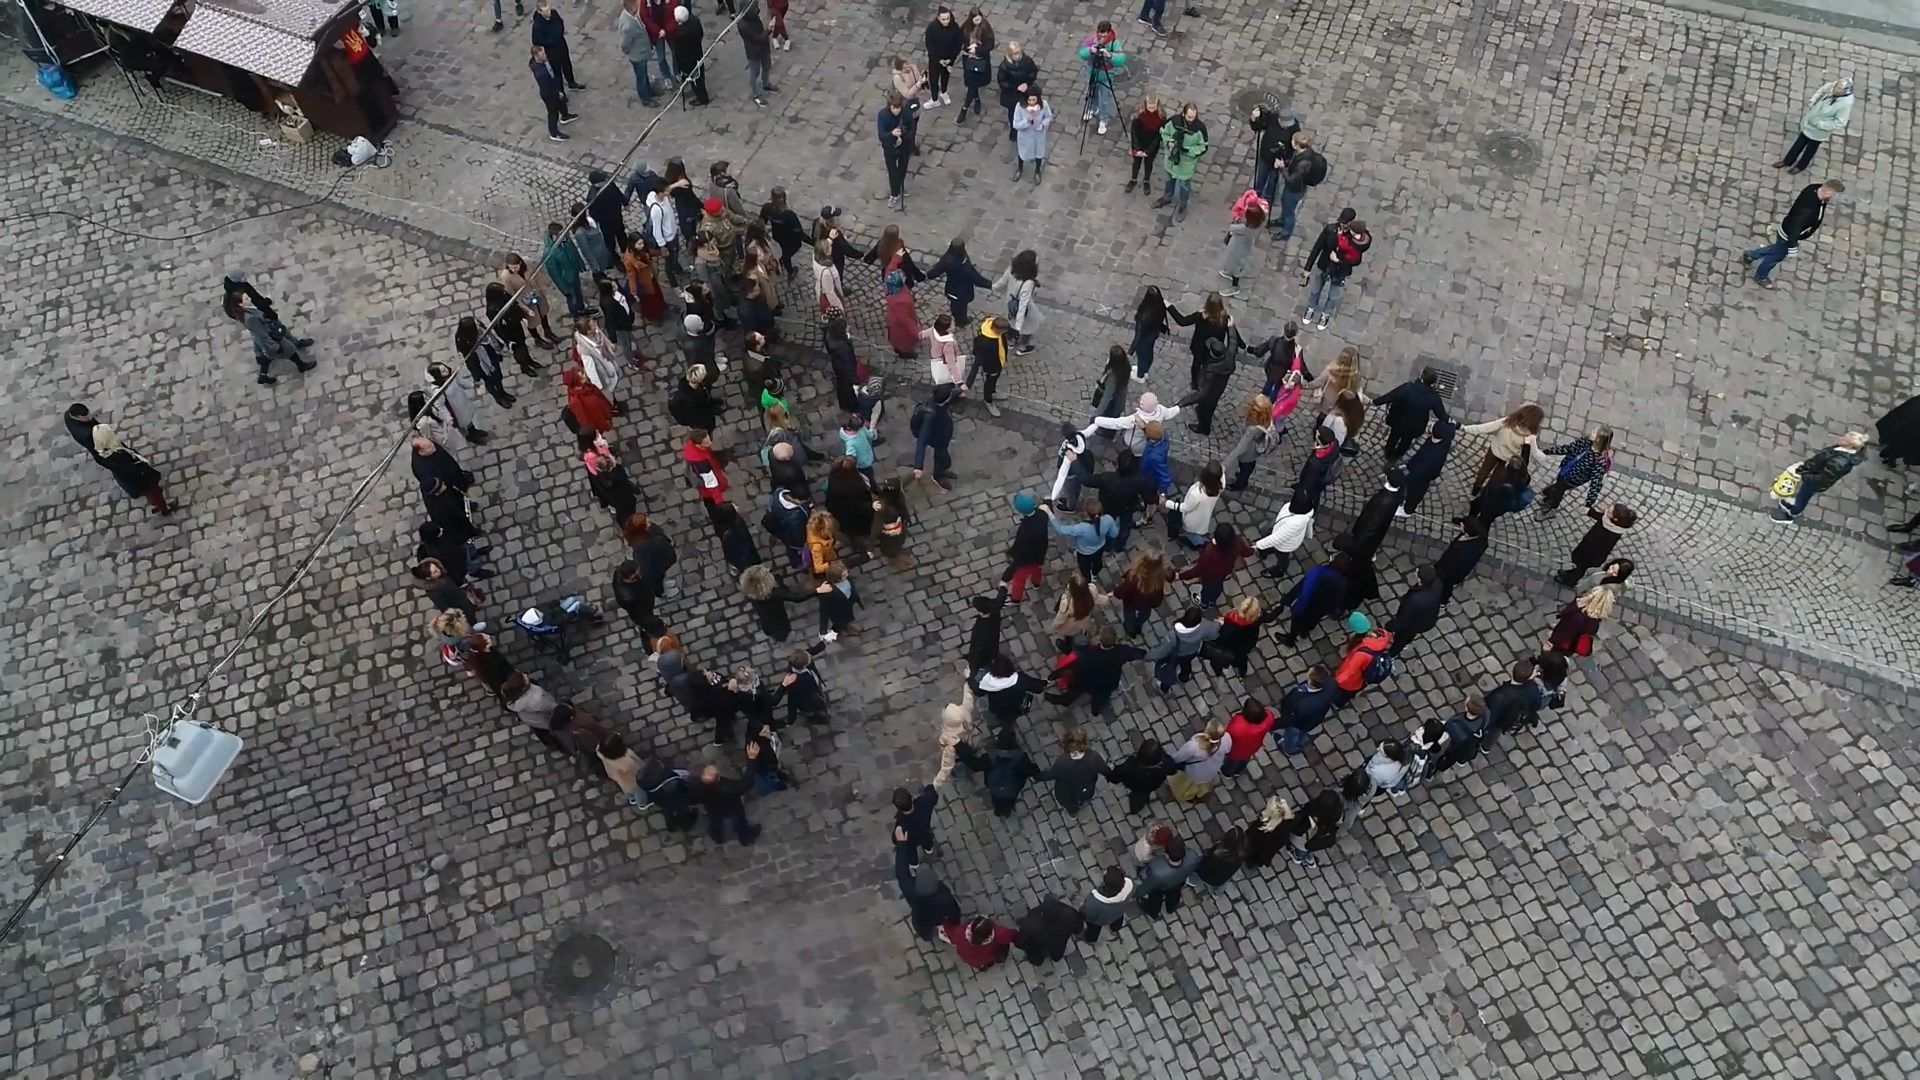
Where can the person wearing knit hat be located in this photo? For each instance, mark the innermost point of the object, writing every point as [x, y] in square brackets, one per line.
[1028, 553]
[1359, 623]
[1368, 659]
[1132, 424]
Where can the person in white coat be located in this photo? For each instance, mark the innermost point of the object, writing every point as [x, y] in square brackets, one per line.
[599, 359]
[1290, 530]
[1826, 115]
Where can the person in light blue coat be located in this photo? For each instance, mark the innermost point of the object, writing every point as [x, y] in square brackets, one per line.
[1032, 125]
[1089, 536]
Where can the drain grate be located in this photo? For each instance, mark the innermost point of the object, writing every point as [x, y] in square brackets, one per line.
[1398, 35]
[581, 966]
[1510, 152]
[1449, 381]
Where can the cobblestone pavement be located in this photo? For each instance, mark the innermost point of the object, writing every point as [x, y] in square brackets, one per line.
[1700, 868]
[1472, 138]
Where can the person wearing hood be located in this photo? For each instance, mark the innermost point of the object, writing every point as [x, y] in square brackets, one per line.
[1273, 132]
[1291, 528]
[687, 42]
[1132, 425]
[1596, 547]
[1410, 406]
[932, 427]
[1425, 466]
[1076, 773]
[1815, 475]
[1183, 142]
[1156, 463]
[1803, 219]
[1097, 670]
[693, 404]
[1419, 609]
[1825, 116]
[1339, 249]
[1008, 690]
[757, 43]
[1046, 930]
[1267, 834]
[1320, 592]
[929, 902]
[1105, 907]
[1004, 769]
[135, 474]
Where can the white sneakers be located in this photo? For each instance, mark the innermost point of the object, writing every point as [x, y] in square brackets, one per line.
[1102, 129]
[945, 100]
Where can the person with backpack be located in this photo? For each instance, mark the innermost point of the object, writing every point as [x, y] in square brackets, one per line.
[1076, 773]
[1515, 704]
[1341, 246]
[1305, 169]
[1097, 670]
[931, 425]
[1795, 487]
[1368, 658]
[1004, 768]
[1467, 732]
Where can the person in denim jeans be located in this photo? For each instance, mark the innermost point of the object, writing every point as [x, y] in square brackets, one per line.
[1305, 168]
[1183, 143]
[1330, 263]
[1151, 14]
[636, 45]
[1305, 707]
[1802, 221]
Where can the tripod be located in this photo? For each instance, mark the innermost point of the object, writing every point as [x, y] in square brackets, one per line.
[1099, 77]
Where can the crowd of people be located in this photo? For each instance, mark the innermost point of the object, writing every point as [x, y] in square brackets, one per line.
[1147, 571]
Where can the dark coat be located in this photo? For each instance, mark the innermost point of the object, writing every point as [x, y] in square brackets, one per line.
[1014, 73]
[694, 406]
[1075, 779]
[1099, 668]
[1370, 528]
[1597, 545]
[1136, 774]
[737, 546]
[686, 43]
[771, 613]
[1418, 613]
[1411, 405]
[944, 42]
[439, 467]
[1804, 217]
[754, 39]
[1029, 547]
[1456, 563]
[962, 276]
[1046, 930]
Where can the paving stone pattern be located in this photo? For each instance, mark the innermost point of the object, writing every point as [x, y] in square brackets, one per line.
[1699, 868]
[1558, 194]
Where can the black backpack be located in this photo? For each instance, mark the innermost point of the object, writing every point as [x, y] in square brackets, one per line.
[1316, 168]
[918, 421]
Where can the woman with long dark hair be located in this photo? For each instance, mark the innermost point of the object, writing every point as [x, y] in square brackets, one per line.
[482, 354]
[1020, 282]
[1149, 326]
[509, 321]
[1210, 323]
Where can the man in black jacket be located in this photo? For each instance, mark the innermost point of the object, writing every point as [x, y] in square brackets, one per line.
[1339, 249]
[1409, 407]
[1419, 610]
[1304, 170]
[432, 463]
[1122, 492]
[913, 824]
[1097, 670]
[1223, 355]
[1515, 703]
[1802, 221]
[1275, 132]
[758, 46]
[1456, 563]
[553, 94]
[725, 802]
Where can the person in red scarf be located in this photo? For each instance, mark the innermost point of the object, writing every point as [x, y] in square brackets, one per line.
[704, 467]
[589, 407]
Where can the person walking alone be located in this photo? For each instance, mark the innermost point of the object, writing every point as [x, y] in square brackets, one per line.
[1825, 116]
[1815, 475]
[134, 473]
[1183, 143]
[1802, 221]
[758, 46]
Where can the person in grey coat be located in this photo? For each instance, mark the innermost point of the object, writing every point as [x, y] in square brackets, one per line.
[456, 403]
[1164, 878]
[1173, 657]
[1032, 128]
[1075, 773]
[1826, 115]
[1105, 907]
[1240, 235]
[271, 341]
[637, 46]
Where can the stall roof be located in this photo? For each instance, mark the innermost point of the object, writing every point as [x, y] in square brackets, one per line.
[142, 15]
[273, 38]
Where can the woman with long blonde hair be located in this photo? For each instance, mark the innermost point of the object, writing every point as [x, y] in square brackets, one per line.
[1143, 134]
[1338, 377]
[1200, 762]
[823, 542]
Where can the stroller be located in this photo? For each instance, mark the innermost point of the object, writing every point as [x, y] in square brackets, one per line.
[548, 628]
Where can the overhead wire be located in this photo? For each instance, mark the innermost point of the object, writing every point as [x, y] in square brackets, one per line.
[184, 709]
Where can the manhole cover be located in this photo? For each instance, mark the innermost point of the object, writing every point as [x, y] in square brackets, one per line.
[1245, 100]
[1397, 35]
[1449, 381]
[1510, 151]
[581, 966]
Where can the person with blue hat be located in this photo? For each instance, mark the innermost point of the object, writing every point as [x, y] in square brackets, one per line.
[1028, 553]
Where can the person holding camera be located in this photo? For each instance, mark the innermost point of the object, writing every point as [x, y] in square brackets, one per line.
[1184, 141]
[1101, 53]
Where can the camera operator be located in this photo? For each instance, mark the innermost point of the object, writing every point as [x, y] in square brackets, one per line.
[1100, 52]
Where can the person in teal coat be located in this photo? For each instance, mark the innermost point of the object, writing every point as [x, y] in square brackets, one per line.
[1101, 57]
[1182, 143]
[563, 264]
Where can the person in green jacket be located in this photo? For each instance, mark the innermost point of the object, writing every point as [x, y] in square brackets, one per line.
[1101, 56]
[1182, 143]
[562, 262]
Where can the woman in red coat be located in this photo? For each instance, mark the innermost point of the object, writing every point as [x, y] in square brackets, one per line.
[589, 407]
[903, 322]
[979, 942]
